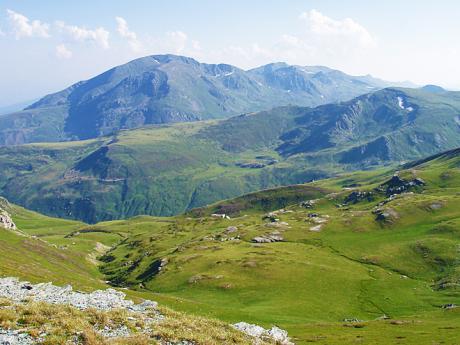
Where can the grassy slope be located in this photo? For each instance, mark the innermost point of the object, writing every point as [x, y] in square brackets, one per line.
[158, 170]
[355, 267]
[39, 252]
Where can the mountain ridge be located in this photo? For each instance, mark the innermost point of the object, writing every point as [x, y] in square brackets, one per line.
[170, 88]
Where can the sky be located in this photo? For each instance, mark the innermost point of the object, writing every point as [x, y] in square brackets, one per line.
[48, 45]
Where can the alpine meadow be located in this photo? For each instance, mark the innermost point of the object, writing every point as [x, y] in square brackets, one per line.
[254, 173]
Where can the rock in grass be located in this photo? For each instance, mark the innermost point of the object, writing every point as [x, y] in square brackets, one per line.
[268, 238]
[231, 229]
[275, 333]
[15, 337]
[6, 221]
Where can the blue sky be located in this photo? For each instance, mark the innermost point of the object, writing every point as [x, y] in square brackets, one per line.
[48, 45]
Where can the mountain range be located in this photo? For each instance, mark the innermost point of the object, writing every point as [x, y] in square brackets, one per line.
[281, 196]
[168, 88]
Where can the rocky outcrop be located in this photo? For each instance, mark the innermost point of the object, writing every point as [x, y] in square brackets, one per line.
[398, 185]
[357, 196]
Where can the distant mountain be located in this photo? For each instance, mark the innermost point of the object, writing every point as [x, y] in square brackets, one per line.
[169, 88]
[167, 169]
[10, 108]
[387, 125]
[433, 88]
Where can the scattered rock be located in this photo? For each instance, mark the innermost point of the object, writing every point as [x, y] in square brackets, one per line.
[251, 165]
[271, 217]
[268, 238]
[250, 264]
[231, 229]
[397, 322]
[163, 263]
[387, 215]
[316, 228]
[220, 215]
[277, 225]
[319, 220]
[352, 320]
[179, 342]
[435, 206]
[120, 332]
[308, 203]
[358, 196]
[15, 337]
[449, 306]
[277, 334]
[196, 278]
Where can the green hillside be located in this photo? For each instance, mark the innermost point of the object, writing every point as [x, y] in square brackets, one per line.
[360, 252]
[370, 247]
[168, 169]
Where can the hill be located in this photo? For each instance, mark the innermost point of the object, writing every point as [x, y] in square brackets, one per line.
[169, 88]
[372, 255]
[367, 246]
[168, 169]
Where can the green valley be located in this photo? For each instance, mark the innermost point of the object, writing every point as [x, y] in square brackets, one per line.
[367, 250]
[168, 169]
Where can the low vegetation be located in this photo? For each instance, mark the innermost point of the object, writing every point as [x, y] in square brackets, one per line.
[365, 257]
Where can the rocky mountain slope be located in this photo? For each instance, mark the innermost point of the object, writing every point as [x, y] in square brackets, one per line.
[167, 169]
[168, 88]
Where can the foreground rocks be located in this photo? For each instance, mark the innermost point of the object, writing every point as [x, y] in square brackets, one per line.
[17, 291]
[13, 337]
[277, 334]
[21, 293]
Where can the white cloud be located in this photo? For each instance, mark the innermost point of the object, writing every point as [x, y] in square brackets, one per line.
[177, 41]
[196, 45]
[325, 26]
[63, 52]
[100, 36]
[24, 27]
[2, 33]
[130, 36]
[343, 44]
